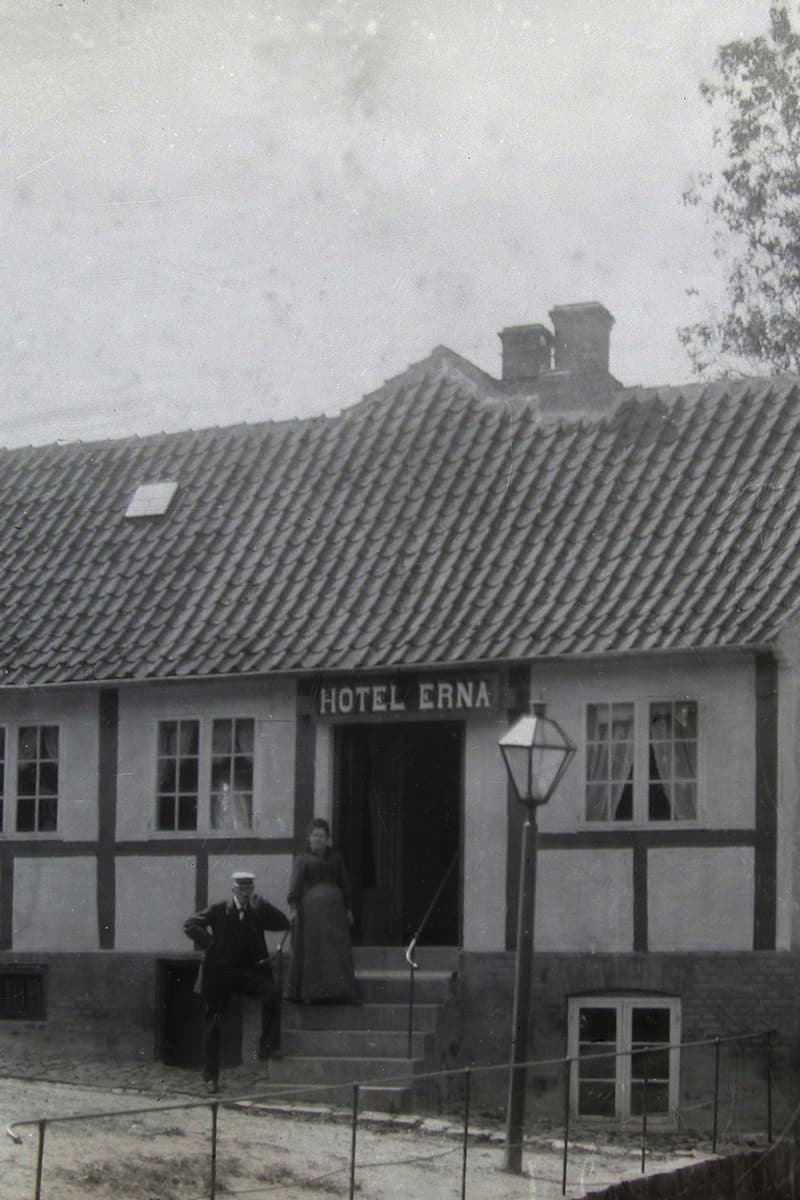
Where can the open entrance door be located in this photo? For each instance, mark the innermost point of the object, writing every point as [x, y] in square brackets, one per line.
[398, 824]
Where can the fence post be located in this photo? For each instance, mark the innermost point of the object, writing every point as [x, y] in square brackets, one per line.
[40, 1160]
[353, 1143]
[411, 969]
[213, 1182]
[716, 1097]
[567, 1106]
[769, 1086]
[644, 1118]
[467, 1081]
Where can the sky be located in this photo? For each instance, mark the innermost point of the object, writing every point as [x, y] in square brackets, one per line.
[214, 212]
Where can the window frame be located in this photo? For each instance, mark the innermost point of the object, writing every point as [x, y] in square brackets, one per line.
[623, 1005]
[205, 757]
[640, 818]
[9, 777]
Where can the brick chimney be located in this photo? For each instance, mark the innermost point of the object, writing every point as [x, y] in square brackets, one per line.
[527, 351]
[582, 335]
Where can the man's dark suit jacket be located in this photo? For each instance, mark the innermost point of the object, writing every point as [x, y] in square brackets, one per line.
[229, 940]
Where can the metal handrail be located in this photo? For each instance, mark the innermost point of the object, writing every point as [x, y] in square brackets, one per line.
[413, 965]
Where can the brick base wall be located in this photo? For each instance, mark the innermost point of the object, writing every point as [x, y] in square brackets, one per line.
[100, 1004]
[721, 994]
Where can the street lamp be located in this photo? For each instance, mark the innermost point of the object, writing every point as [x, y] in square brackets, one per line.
[536, 752]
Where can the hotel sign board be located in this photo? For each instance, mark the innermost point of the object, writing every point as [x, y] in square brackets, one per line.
[418, 696]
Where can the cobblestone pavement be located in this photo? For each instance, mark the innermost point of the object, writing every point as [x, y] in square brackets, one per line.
[301, 1141]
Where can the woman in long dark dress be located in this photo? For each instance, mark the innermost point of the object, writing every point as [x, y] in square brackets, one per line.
[320, 910]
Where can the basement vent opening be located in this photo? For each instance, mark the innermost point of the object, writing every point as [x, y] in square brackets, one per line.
[151, 499]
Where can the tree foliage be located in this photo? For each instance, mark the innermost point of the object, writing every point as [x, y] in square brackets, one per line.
[753, 198]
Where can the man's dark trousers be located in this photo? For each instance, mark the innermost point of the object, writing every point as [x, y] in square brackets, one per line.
[220, 982]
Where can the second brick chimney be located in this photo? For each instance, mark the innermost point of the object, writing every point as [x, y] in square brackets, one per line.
[582, 337]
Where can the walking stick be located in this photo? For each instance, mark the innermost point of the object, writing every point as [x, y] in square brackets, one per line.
[279, 1005]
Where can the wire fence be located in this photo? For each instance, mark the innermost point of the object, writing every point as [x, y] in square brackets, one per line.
[455, 1080]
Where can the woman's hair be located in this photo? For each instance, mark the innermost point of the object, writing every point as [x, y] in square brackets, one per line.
[319, 823]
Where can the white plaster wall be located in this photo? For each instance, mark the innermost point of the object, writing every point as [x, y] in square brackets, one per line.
[485, 837]
[272, 705]
[155, 895]
[323, 773]
[273, 873]
[788, 922]
[584, 900]
[724, 689]
[55, 904]
[700, 899]
[76, 713]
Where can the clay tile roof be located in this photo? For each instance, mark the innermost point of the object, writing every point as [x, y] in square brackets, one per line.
[440, 520]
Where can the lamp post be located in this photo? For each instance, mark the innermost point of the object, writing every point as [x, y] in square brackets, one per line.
[536, 752]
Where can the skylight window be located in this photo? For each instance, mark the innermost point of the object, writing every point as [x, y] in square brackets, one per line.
[151, 499]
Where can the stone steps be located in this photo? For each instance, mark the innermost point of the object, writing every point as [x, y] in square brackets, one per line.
[328, 1048]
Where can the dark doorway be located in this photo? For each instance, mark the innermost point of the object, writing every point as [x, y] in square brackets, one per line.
[179, 1041]
[398, 823]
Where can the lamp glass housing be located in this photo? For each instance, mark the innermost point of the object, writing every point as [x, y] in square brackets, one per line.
[536, 752]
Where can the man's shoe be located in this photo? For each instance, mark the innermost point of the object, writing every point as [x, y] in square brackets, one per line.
[211, 1086]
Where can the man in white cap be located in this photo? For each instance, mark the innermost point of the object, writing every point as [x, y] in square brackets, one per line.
[236, 960]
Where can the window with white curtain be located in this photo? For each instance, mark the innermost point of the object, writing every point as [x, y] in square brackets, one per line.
[642, 761]
[205, 772]
[29, 778]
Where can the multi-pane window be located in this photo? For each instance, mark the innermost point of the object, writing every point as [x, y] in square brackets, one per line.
[205, 775]
[609, 762]
[672, 774]
[642, 761]
[37, 779]
[626, 1055]
[232, 744]
[178, 774]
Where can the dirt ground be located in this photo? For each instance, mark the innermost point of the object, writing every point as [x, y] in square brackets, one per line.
[268, 1150]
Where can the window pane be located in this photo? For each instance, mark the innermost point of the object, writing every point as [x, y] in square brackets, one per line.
[189, 737]
[187, 812]
[650, 1024]
[167, 775]
[168, 737]
[597, 1025]
[48, 779]
[686, 760]
[596, 1099]
[652, 1063]
[657, 1098]
[48, 813]
[685, 801]
[28, 742]
[166, 812]
[220, 773]
[624, 808]
[245, 736]
[26, 814]
[598, 1060]
[243, 775]
[658, 805]
[221, 737]
[597, 802]
[26, 779]
[597, 722]
[597, 761]
[49, 741]
[187, 775]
